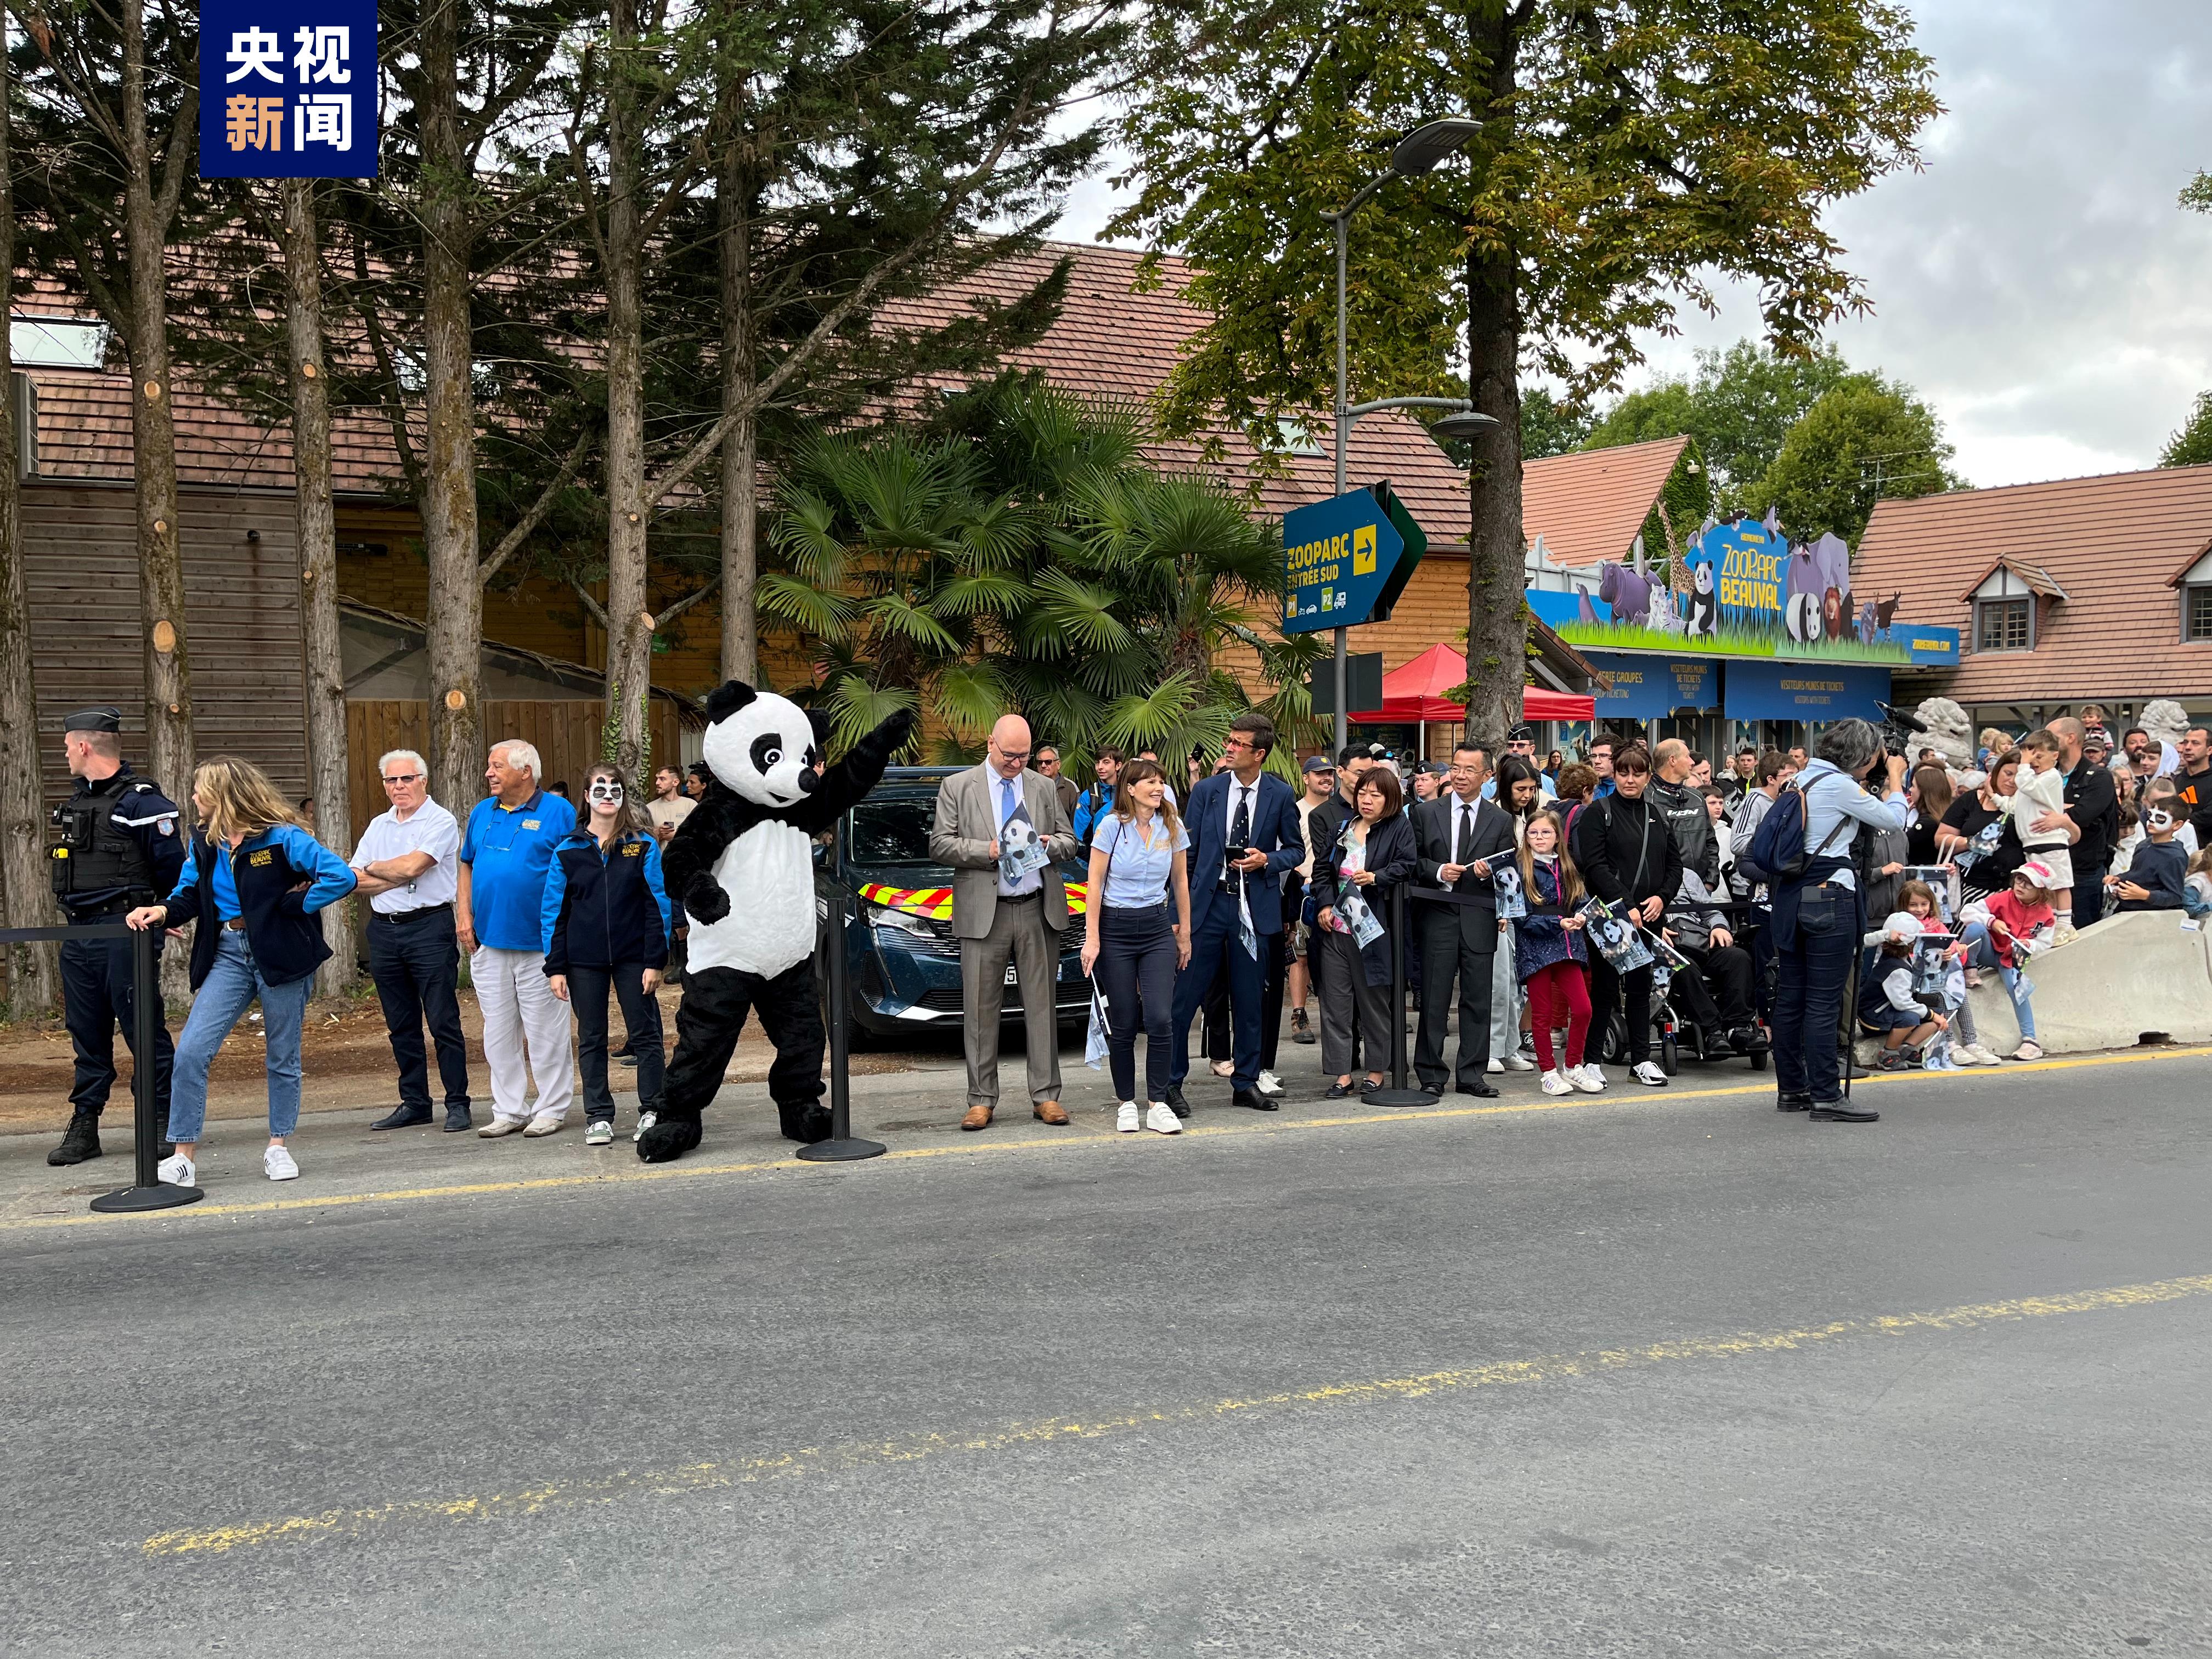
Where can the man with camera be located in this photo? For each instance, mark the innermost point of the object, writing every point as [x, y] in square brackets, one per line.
[119, 846]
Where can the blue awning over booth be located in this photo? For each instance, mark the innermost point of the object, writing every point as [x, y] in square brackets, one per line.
[1802, 691]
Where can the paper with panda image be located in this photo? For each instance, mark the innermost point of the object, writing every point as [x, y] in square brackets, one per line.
[1930, 968]
[1662, 952]
[1617, 939]
[1512, 905]
[1021, 849]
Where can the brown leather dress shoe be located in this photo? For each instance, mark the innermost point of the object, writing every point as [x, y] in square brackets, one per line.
[1051, 1111]
[979, 1117]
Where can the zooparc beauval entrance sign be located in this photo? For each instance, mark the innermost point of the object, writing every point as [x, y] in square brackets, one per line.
[1347, 559]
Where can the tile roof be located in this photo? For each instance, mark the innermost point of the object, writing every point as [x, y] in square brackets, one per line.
[2111, 543]
[1589, 505]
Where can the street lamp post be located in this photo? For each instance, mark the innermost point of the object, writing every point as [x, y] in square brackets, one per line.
[1416, 154]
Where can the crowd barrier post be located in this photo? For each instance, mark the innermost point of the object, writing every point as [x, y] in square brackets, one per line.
[1401, 940]
[149, 1191]
[841, 1147]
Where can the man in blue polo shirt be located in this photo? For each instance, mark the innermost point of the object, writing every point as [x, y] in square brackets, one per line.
[504, 859]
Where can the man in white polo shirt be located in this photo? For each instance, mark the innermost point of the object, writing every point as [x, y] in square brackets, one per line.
[406, 862]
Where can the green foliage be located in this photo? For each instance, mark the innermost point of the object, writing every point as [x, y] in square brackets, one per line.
[1739, 406]
[1018, 554]
[1861, 443]
[1549, 425]
[2192, 445]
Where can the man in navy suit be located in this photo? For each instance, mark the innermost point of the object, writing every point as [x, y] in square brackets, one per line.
[1236, 905]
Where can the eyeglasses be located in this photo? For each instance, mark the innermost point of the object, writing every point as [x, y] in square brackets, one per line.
[405, 777]
[1012, 754]
[1235, 742]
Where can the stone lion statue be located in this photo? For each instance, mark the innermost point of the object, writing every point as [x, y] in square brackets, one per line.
[1950, 733]
[2164, 719]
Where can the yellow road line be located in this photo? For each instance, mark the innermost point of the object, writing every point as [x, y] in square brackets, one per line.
[556, 1494]
[692, 1171]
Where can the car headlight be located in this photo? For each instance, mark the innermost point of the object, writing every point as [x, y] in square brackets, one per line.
[883, 915]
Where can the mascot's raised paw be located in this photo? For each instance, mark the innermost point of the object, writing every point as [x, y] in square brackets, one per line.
[669, 1138]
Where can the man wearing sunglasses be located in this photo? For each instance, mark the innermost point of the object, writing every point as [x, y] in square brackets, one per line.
[405, 862]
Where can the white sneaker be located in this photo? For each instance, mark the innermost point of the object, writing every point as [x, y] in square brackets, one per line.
[2065, 935]
[2027, 1051]
[1962, 1055]
[1984, 1056]
[1648, 1074]
[1161, 1121]
[1554, 1083]
[1270, 1083]
[177, 1170]
[1515, 1063]
[501, 1126]
[1588, 1078]
[1128, 1121]
[1496, 1069]
[599, 1132]
[279, 1163]
[546, 1125]
[645, 1121]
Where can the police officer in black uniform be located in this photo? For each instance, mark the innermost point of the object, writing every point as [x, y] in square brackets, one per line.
[119, 845]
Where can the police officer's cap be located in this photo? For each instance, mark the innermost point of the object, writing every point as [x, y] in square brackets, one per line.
[95, 720]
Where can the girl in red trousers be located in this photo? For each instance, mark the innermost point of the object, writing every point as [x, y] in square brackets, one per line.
[1550, 957]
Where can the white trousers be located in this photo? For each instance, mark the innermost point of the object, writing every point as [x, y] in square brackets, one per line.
[1504, 1010]
[520, 1011]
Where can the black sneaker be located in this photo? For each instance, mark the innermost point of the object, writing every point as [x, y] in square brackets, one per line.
[1176, 1102]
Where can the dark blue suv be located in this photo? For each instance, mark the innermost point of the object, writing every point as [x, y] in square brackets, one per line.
[903, 968]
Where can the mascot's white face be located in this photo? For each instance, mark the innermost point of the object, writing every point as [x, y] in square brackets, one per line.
[761, 746]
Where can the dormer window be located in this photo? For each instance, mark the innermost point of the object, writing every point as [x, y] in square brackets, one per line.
[2196, 586]
[2007, 615]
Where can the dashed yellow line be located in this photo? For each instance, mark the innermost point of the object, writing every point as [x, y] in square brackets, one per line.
[687, 1170]
[557, 1494]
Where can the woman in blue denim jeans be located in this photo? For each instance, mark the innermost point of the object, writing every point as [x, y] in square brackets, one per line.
[256, 884]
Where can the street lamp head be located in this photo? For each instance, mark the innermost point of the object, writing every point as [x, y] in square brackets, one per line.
[1464, 424]
[1422, 149]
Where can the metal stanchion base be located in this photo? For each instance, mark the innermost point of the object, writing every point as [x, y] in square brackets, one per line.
[159, 1196]
[848, 1151]
[1401, 1097]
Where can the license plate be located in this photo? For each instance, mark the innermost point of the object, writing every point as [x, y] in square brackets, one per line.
[1011, 978]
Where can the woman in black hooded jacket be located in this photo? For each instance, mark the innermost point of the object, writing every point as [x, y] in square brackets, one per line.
[1628, 858]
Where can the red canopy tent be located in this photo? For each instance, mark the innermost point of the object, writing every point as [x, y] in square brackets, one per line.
[1415, 692]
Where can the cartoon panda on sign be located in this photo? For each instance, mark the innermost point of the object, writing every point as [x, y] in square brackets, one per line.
[742, 865]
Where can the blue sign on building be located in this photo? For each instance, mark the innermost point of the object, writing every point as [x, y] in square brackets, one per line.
[1803, 691]
[1338, 557]
[288, 89]
[1652, 687]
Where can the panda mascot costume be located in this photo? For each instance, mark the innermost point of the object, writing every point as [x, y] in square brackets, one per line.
[743, 866]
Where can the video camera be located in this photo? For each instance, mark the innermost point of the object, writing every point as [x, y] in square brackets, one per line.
[1899, 726]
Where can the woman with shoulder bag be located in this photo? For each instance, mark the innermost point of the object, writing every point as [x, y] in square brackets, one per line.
[1627, 854]
[256, 883]
[1372, 852]
[1819, 917]
[606, 921]
[1133, 945]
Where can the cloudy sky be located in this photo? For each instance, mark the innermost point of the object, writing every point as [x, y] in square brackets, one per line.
[2037, 282]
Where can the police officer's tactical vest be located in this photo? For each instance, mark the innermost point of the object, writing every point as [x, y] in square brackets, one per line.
[95, 855]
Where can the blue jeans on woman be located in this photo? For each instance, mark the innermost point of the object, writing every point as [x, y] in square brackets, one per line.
[232, 984]
[1982, 952]
[1136, 973]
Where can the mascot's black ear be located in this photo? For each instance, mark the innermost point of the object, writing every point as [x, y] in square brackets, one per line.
[725, 700]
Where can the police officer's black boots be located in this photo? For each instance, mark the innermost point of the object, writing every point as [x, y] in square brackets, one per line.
[79, 1142]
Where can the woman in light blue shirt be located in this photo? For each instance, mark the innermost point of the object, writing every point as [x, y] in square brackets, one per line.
[1133, 945]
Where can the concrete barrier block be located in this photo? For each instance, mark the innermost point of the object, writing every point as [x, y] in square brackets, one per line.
[2127, 976]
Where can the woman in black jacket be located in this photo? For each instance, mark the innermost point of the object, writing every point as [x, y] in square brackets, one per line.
[1628, 858]
[1369, 854]
[605, 922]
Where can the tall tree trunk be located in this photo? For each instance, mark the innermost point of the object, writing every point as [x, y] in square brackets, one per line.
[33, 975]
[629, 617]
[319, 562]
[1496, 613]
[740, 449]
[455, 622]
[153, 437]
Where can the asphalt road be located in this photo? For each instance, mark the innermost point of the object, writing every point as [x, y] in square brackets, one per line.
[1630, 1376]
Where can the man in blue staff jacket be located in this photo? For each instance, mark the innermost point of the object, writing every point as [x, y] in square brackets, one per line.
[1235, 901]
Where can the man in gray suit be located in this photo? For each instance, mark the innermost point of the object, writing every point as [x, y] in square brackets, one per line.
[982, 814]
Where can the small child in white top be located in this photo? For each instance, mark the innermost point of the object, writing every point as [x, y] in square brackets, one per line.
[2038, 788]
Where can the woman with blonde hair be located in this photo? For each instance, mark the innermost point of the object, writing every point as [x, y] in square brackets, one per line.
[256, 883]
